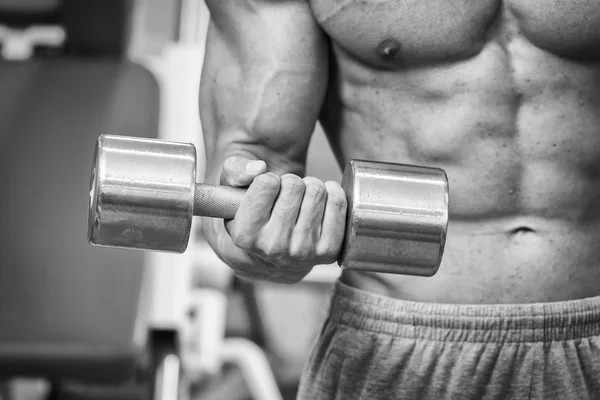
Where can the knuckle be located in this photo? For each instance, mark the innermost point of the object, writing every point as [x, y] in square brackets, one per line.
[293, 183]
[300, 251]
[334, 187]
[229, 163]
[311, 180]
[337, 196]
[232, 164]
[315, 190]
[268, 181]
[271, 248]
[241, 239]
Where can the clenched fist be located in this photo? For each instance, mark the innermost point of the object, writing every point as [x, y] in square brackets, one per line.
[284, 226]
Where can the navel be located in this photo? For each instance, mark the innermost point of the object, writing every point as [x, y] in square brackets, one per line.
[389, 49]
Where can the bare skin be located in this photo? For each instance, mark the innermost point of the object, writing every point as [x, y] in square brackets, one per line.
[505, 96]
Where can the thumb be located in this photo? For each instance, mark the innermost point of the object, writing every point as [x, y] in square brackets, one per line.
[241, 171]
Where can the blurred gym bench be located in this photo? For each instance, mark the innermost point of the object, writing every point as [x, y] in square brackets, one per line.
[70, 314]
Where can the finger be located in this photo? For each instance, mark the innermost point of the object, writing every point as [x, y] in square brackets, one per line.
[334, 221]
[310, 218]
[255, 210]
[241, 171]
[286, 208]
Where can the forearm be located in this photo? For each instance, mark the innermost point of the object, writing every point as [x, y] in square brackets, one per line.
[278, 134]
[262, 85]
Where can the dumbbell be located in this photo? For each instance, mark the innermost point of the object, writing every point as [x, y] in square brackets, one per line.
[144, 195]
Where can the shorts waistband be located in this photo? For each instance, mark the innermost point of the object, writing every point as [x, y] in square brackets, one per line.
[535, 322]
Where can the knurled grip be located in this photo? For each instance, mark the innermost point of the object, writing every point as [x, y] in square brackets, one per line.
[217, 201]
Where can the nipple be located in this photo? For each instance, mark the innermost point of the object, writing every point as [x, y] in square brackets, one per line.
[388, 49]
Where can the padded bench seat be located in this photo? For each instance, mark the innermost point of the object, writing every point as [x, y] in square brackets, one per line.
[68, 311]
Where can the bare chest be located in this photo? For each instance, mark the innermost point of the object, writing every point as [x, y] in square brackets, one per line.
[394, 33]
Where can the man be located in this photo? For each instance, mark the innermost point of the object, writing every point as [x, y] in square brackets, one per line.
[505, 97]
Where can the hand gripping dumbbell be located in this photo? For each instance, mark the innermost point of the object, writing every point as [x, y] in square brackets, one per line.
[144, 194]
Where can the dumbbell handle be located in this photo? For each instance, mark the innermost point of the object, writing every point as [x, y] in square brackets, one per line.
[217, 201]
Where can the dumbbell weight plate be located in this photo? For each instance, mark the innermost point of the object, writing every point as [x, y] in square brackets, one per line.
[142, 193]
[397, 218]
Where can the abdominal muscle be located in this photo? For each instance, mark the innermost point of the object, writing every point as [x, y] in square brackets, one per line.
[519, 138]
[516, 260]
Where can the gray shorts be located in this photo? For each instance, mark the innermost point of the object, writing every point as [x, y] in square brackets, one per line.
[374, 347]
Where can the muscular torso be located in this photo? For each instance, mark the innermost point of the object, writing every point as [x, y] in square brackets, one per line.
[505, 96]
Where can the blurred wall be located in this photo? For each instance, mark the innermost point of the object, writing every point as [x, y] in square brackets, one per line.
[156, 25]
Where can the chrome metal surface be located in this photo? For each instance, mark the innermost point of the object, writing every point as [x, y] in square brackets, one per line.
[142, 193]
[166, 380]
[397, 218]
[217, 201]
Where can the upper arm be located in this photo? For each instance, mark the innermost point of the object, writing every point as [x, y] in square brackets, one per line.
[263, 81]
